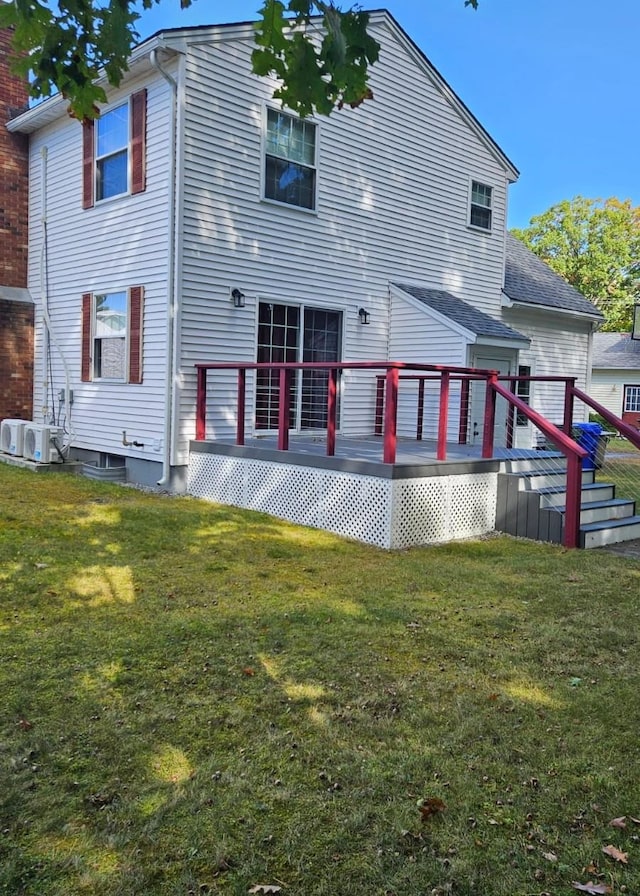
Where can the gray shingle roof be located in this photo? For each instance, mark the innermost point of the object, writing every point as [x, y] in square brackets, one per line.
[462, 313]
[528, 279]
[616, 351]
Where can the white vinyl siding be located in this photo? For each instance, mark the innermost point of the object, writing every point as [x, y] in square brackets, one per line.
[558, 348]
[103, 249]
[392, 200]
[608, 387]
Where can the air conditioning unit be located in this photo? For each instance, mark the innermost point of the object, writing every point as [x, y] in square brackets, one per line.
[12, 436]
[38, 443]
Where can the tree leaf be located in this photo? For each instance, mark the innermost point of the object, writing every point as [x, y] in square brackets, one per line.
[619, 822]
[594, 889]
[614, 853]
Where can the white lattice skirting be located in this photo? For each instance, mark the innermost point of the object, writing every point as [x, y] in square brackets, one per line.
[389, 513]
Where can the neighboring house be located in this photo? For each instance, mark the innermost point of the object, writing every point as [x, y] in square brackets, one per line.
[196, 221]
[16, 305]
[615, 380]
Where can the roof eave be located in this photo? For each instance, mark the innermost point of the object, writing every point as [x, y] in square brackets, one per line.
[595, 316]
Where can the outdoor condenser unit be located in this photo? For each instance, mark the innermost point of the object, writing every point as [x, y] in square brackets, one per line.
[12, 436]
[39, 445]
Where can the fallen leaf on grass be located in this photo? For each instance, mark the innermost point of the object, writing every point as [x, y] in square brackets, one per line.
[430, 807]
[614, 853]
[265, 888]
[619, 822]
[249, 671]
[550, 856]
[25, 725]
[594, 889]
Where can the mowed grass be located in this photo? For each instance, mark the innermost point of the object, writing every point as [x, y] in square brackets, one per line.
[197, 699]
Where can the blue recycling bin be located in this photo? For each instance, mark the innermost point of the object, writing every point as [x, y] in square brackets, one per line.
[589, 436]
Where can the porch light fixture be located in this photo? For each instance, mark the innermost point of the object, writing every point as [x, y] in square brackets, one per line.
[635, 327]
[363, 314]
[237, 298]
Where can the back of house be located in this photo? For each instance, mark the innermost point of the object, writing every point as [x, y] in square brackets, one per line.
[198, 221]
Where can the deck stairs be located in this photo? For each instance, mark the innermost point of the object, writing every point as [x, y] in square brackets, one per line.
[532, 503]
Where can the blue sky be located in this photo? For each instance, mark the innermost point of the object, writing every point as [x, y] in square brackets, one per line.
[555, 82]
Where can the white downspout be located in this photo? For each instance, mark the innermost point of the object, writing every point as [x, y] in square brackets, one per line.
[48, 330]
[172, 310]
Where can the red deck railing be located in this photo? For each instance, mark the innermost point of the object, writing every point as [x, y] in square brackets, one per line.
[386, 411]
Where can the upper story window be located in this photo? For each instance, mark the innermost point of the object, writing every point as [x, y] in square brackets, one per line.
[114, 151]
[481, 205]
[290, 160]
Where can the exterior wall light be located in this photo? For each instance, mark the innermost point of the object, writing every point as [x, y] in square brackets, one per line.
[363, 314]
[237, 298]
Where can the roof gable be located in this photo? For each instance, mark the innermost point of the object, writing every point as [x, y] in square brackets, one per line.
[461, 313]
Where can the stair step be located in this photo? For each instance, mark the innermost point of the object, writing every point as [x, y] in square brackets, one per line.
[538, 461]
[595, 511]
[535, 480]
[555, 496]
[595, 535]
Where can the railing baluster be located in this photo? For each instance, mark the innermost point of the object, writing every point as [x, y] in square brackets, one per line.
[489, 417]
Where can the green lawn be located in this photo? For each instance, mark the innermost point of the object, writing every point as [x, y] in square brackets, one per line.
[197, 699]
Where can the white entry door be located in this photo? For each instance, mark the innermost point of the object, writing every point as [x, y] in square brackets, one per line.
[488, 360]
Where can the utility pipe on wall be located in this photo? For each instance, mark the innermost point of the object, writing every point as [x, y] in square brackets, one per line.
[172, 310]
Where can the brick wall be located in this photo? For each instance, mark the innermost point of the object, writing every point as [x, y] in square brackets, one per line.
[16, 360]
[16, 318]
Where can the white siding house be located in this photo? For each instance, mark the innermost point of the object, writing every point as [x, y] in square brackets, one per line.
[398, 207]
[615, 378]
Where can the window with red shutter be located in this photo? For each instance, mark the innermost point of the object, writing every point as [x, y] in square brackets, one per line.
[114, 150]
[112, 326]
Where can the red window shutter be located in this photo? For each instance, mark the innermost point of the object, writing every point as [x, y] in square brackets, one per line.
[87, 163]
[135, 334]
[85, 368]
[138, 141]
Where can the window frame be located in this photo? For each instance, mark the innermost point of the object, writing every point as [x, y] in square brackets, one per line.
[95, 354]
[98, 159]
[264, 154]
[133, 338]
[136, 149]
[473, 182]
[631, 394]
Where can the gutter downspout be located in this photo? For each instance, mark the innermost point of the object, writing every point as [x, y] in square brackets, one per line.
[172, 309]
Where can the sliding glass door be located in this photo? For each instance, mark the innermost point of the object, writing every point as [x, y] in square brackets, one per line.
[295, 333]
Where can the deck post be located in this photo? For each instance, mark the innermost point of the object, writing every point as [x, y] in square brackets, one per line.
[574, 493]
[390, 415]
[443, 416]
[201, 404]
[489, 416]
[463, 429]
[332, 393]
[284, 404]
[242, 391]
[567, 424]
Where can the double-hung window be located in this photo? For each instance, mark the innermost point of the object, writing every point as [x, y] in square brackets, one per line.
[481, 205]
[290, 160]
[112, 336]
[110, 313]
[114, 151]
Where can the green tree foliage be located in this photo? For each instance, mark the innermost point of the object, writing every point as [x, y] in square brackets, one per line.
[66, 46]
[595, 246]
